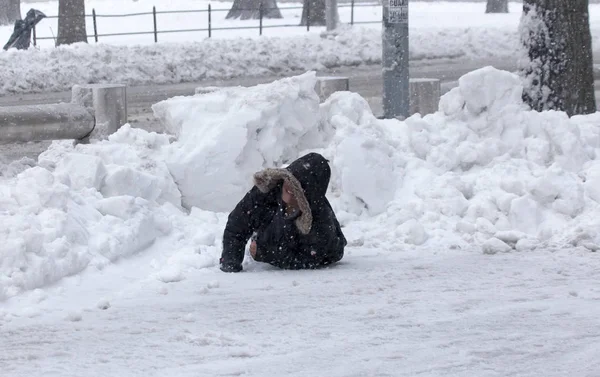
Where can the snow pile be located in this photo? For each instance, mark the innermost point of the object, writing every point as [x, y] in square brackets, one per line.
[12, 168]
[437, 30]
[60, 68]
[84, 205]
[483, 172]
[363, 152]
[226, 135]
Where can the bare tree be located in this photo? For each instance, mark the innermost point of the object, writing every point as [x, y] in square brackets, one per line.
[497, 6]
[10, 11]
[559, 72]
[71, 22]
[250, 9]
[315, 10]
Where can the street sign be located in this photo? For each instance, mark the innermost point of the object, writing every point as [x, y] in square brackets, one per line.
[398, 11]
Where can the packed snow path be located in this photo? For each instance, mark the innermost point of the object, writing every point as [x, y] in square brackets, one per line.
[438, 313]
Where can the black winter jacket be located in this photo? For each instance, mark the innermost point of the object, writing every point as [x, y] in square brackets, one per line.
[310, 239]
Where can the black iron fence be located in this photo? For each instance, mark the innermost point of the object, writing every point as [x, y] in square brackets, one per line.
[209, 11]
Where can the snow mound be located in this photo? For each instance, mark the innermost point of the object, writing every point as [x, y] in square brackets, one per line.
[485, 165]
[223, 137]
[82, 206]
[483, 172]
[362, 152]
[57, 69]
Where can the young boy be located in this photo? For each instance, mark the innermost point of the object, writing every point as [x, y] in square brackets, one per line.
[290, 220]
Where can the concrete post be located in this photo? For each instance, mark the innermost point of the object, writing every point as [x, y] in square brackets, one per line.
[326, 86]
[424, 96]
[108, 103]
[395, 59]
[331, 14]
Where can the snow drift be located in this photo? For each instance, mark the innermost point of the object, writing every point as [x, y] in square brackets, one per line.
[60, 68]
[225, 135]
[82, 206]
[484, 172]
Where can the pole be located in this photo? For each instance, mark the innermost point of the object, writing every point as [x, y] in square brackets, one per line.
[260, 16]
[308, 15]
[209, 21]
[331, 14]
[396, 100]
[155, 28]
[95, 25]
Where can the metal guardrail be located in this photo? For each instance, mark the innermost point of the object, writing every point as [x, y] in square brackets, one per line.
[210, 29]
[45, 122]
[95, 111]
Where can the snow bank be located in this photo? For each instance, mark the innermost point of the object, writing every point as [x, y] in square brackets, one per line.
[484, 172]
[82, 206]
[224, 135]
[437, 30]
[59, 68]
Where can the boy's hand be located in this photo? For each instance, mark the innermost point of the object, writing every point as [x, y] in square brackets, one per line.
[253, 249]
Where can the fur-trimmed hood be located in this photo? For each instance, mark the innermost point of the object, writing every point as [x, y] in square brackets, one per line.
[308, 178]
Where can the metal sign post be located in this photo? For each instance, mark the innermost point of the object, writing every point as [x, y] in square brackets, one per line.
[396, 101]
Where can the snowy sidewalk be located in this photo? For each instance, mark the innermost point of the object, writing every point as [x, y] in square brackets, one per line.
[376, 314]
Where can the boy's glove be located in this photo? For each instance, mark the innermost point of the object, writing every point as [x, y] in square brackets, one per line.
[229, 267]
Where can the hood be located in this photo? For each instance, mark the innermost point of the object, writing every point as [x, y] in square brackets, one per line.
[34, 16]
[308, 177]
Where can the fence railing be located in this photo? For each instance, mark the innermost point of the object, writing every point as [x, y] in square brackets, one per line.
[209, 11]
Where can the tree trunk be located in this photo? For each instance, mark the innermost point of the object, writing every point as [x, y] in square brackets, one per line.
[559, 72]
[10, 11]
[316, 10]
[497, 6]
[250, 9]
[71, 22]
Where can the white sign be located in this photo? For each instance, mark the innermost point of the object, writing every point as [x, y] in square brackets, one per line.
[398, 11]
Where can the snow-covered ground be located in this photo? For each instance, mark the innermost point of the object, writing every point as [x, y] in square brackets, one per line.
[438, 313]
[470, 232]
[441, 16]
[437, 30]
